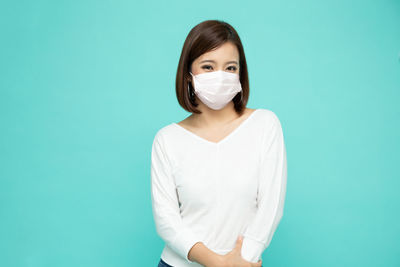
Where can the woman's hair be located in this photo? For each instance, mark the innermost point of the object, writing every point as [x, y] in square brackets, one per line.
[204, 37]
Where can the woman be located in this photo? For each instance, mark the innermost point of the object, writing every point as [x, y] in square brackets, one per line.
[219, 174]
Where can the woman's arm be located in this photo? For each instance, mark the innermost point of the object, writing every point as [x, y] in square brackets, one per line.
[271, 194]
[201, 254]
[168, 221]
[205, 256]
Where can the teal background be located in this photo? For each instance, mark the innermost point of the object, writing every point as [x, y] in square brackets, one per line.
[85, 85]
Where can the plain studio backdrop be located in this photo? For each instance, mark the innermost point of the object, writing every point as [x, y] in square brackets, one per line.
[85, 85]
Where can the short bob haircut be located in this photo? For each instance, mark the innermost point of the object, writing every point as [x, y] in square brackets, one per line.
[204, 37]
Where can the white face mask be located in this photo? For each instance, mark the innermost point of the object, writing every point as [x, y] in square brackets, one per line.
[216, 89]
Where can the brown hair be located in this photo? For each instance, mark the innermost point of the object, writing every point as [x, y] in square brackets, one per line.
[206, 36]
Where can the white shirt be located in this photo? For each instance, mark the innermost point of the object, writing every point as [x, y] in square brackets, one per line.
[210, 192]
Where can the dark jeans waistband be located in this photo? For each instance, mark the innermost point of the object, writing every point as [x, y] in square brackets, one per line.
[162, 263]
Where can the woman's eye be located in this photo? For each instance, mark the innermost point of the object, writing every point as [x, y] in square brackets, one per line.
[233, 68]
[206, 67]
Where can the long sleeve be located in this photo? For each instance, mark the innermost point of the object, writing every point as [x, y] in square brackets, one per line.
[271, 194]
[165, 205]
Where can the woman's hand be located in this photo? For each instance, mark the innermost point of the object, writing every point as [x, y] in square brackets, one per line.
[234, 257]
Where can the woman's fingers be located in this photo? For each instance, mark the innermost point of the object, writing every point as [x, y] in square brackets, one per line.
[257, 264]
[238, 250]
[239, 242]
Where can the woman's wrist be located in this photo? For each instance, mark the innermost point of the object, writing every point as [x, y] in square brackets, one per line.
[219, 261]
[205, 256]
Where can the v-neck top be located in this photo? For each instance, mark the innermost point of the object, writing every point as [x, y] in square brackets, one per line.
[212, 192]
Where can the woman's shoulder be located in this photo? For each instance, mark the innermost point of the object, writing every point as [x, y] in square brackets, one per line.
[166, 130]
[268, 115]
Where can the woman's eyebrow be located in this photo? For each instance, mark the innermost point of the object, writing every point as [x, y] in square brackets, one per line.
[209, 60]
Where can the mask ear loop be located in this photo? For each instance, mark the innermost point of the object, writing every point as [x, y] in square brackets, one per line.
[241, 96]
[190, 93]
